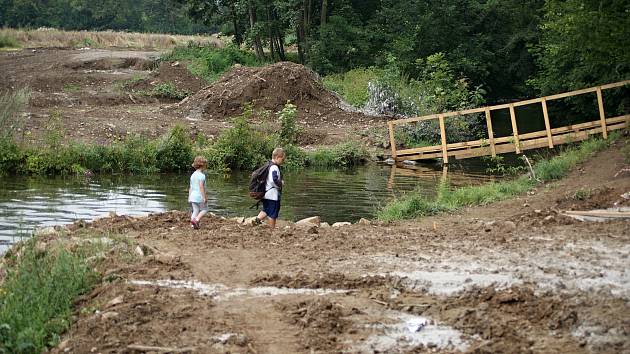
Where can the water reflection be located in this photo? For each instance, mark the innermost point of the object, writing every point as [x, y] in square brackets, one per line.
[335, 195]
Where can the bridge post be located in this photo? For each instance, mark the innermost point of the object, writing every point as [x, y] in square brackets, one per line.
[517, 144]
[443, 136]
[547, 125]
[490, 133]
[602, 114]
[392, 141]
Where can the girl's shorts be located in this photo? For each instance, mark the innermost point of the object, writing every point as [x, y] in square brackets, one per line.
[271, 208]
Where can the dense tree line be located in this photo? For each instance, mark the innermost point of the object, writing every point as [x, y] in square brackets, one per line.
[504, 48]
[161, 16]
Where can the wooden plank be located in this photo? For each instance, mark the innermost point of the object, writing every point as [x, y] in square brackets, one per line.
[615, 84]
[571, 93]
[414, 119]
[443, 137]
[547, 125]
[526, 102]
[392, 140]
[490, 133]
[602, 114]
[514, 129]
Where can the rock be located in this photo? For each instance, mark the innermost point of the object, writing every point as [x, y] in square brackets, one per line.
[50, 230]
[409, 162]
[509, 226]
[363, 221]
[238, 219]
[63, 345]
[390, 161]
[142, 250]
[314, 220]
[537, 211]
[106, 316]
[115, 301]
[249, 221]
[340, 224]
[324, 225]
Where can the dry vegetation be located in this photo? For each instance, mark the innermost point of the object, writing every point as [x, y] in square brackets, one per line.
[49, 37]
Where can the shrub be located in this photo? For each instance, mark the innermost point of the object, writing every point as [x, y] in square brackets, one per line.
[167, 90]
[8, 41]
[346, 154]
[11, 157]
[11, 105]
[353, 85]
[210, 62]
[288, 126]
[241, 147]
[37, 297]
[174, 151]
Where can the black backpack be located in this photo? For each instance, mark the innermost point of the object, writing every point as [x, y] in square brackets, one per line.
[258, 181]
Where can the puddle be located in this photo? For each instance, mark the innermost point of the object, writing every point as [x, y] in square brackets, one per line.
[410, 332]
[600, 215]
[221, 292]
[449, 283]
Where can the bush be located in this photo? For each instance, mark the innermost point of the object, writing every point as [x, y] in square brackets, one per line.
[353, 85]
[241, 147]
[210, 62]
[11, 105]
[7, 41]
[167, 90]
[343, 155]
[174, 151]
[11, 157]
[37, 296]
[288, 127]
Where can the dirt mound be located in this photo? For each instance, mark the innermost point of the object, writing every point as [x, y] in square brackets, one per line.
[171, 73]
[113, 63]
[267, 88]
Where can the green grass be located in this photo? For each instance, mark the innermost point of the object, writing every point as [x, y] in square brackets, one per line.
[352, 85]
[7, 41]
[37, 295]
[209, 62]
[71, 88]
[416, 205]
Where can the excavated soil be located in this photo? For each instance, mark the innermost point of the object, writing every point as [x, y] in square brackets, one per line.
[99, 96]
[503, 278]
[270, 88]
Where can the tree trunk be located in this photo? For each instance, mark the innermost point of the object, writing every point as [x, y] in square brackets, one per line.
[238, 37]
[257, 45]
[299, 34]
[324, 16]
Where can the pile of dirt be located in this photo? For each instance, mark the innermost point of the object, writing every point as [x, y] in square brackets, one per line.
[268, 88]
[171, 73]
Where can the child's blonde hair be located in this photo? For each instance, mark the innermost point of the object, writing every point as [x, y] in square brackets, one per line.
[277, 152]
[199, 162]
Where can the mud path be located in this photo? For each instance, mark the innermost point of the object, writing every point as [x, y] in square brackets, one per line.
[503, 278]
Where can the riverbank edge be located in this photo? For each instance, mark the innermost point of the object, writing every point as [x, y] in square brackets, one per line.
[448, 200]
[41, 280]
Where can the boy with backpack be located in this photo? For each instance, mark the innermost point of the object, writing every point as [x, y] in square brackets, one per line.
[272, 187]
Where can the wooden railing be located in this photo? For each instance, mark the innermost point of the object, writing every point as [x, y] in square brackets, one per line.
[517, 142]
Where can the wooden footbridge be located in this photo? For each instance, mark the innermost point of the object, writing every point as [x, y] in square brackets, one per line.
[549, 137]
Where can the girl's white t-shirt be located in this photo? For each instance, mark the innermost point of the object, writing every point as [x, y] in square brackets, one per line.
[271, 187]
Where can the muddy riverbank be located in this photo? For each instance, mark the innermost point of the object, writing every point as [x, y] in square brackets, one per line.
[514, 277]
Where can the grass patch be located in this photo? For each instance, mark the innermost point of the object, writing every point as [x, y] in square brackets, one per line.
[352, 85]
[167, 90]
[8, 41]
[71, 88]
[38, 293]
[209, 62]
[447, 199]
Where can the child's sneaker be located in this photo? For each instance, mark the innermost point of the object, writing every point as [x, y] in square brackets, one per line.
[256, 222]
[195, 224]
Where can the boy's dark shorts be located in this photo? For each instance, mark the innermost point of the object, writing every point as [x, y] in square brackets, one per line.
[271, 208]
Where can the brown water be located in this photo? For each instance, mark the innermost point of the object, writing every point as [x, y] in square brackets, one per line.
[334, 195]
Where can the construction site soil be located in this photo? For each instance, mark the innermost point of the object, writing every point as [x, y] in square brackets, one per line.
[512, 277]
[103, 95]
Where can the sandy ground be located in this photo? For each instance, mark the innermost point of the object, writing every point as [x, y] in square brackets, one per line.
[89, 90]
[511, 277]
